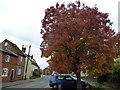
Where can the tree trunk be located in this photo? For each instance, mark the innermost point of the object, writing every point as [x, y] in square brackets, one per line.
[79, 85]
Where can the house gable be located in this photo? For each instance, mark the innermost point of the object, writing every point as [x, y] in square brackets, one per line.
[12, 47]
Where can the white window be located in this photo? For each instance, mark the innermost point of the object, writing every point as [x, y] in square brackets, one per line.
[6, 43]
[7, 58]
[21, 58]
[4, 72]
[19, 71]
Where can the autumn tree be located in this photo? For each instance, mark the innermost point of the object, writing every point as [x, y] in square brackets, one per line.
[78, 38]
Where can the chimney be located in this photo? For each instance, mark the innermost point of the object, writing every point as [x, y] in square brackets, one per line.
[23, 48]
[31, 56]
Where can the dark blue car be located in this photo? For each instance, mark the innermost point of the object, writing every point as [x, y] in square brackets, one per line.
[66, 81]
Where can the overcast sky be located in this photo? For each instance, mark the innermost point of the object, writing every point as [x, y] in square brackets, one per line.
[20, 21]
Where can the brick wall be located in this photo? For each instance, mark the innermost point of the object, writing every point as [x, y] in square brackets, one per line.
[9, 65]
[20, 65]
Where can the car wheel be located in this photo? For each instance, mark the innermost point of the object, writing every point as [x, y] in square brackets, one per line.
[55, 86]
[59, 86]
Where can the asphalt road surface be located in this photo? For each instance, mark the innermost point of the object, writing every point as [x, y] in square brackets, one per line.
[40, 83]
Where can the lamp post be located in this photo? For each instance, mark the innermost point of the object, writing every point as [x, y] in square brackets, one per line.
[27, 62]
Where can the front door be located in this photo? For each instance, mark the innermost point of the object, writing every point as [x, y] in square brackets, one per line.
[12, 75]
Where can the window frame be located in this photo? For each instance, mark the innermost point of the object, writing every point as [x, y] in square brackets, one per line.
[21, 59]
[19, 71]
[6, 73]
[7, 59]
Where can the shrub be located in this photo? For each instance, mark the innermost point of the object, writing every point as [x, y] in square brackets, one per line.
[36, 74]
[104, 77]
[115, 77]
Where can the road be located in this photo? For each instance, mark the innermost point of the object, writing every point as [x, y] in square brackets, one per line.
[40, 83]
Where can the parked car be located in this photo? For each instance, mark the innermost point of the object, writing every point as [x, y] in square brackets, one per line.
[66, 81]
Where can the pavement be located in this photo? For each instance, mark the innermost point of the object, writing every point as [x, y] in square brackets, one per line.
[8, 84]
[93, 82]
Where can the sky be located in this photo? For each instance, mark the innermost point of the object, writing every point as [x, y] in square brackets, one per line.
[20, 21]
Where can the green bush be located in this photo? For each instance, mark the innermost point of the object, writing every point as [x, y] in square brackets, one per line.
[103, 78]
[36, 74]
[115, 77]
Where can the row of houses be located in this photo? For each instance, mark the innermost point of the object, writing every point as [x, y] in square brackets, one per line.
[15, 64]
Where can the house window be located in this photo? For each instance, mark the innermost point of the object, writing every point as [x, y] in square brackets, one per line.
[21, 59]
[6, 43]
[5, 72]
[7, 58]
[19, 71]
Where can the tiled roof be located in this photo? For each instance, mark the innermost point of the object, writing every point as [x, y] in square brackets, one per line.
[8, 51]
[15, 48]
[33, 61]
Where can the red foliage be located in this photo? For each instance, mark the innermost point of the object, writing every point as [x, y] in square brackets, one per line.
[79, 39]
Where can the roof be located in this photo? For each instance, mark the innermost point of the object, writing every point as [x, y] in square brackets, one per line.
[8, 51]
[34, 63]
[32, 60]
[13, 47]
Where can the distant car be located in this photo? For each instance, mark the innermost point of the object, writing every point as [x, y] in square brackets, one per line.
[66, 81]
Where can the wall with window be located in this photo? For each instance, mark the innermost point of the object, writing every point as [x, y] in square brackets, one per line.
[13, 59]
[9, 59]
[19, 72]
[6, 73]
[9, 62]
[20, 67]
[21, 60]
